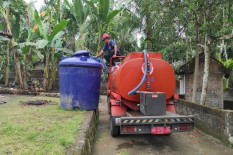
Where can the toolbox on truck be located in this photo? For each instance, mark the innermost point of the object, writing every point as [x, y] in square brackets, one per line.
[152, 103]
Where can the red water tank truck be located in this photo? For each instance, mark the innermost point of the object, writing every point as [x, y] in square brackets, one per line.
[141, 96]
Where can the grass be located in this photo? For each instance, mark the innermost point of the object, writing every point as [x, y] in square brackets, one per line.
[36, 129]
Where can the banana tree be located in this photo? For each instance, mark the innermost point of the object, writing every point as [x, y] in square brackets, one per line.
[5, 11]
[104, 13]
[50, 44]
[80, 13]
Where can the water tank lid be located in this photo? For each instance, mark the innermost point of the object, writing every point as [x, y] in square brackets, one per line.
[80, 53]
[80, 59]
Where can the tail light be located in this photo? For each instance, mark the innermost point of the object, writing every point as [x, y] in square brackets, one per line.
[185, 127]
[128, 129]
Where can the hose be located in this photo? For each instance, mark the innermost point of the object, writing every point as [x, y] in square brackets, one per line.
[100, 60]
[144, 76]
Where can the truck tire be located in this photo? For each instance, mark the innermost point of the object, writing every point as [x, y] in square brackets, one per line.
[115, 130]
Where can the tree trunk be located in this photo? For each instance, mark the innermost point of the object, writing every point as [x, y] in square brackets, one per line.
[100, 38]
[53, 75]
[196, 71]
[225, 48]
[187, 50]
[16, 75]
[25, 79]
[206, 72]
[207, 63]
[90, 38]
[16, 56]
[81, 37]
[8, 64]
[18, 69]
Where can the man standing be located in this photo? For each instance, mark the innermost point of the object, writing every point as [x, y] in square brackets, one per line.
[111, 48]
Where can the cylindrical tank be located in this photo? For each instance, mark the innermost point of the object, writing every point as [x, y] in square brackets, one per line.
[79, 78]
[127, 75]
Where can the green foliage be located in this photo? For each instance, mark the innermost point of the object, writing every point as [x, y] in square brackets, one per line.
[58, 28]
[78, 10]
[40, 25]
[29, 35]
[112, 14]
[41, 43]
[16, 27]
[103, 9]
[3, 39]
[174, 52]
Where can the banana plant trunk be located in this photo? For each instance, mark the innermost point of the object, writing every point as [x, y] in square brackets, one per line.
[18, 68]
[53, 75]
[28, 57]
[8, 64]
[25, 77]
[46, 72]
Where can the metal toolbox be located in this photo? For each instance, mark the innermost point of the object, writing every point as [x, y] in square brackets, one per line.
[152, 103]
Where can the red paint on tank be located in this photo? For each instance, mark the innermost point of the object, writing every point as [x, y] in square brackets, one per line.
[129, 74]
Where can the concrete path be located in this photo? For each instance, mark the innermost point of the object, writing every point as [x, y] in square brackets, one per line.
[188, 143]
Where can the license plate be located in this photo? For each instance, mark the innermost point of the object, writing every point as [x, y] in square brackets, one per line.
[161, 130]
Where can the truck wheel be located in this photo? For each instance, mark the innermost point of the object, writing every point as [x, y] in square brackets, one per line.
[115, 130]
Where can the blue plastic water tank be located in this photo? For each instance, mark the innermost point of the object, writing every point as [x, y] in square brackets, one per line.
[80, 78]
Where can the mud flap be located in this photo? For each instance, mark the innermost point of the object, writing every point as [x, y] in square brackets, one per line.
[118, 110]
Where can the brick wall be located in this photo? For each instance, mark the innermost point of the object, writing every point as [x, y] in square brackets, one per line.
[215, 85]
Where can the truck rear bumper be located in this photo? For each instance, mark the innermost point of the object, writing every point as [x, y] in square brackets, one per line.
[154, 124]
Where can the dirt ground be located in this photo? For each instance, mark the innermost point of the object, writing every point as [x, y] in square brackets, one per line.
[186, 143]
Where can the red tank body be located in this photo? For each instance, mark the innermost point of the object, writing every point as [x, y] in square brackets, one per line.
[127, 75]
